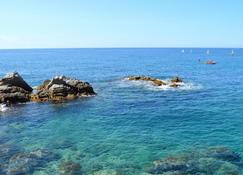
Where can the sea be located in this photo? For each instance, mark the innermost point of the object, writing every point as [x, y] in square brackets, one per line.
[128, 125]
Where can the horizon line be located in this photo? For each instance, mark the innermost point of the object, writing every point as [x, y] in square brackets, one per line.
[39, 48]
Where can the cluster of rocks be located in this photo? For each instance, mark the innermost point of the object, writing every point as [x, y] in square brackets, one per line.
[62, 88]
[210, 161]
[13, 89]
[174, 82]
[14, 161]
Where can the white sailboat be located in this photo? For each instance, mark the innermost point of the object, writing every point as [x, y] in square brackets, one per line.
[208, 52]
[182, 51]
[232, 52]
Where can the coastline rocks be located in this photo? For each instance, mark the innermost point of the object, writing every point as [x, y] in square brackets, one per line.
[70, 168]
[13, 89]
[210, 161]
[174, 82]
[62, 88]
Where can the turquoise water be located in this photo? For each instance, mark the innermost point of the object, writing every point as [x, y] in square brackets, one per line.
[127, 125]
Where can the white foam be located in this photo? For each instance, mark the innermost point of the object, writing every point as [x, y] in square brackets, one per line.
[149, 85]
[3, 108]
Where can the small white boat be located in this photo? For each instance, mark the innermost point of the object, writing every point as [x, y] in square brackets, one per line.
[182, 51]
[208, 52]
[232, 52]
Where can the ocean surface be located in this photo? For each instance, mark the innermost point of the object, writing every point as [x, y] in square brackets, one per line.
[128, 125]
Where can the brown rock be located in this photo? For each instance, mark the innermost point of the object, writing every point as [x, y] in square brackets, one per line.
[156, 82]
[176, 80]
[13, 89]
[62, 88]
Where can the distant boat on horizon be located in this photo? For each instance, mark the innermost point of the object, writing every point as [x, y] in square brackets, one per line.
[208, 52]
[232, 52]
[182, 51]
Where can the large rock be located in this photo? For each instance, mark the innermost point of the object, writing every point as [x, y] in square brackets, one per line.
[13, 89]
[174, 82]
[156, 82]
[62, 88]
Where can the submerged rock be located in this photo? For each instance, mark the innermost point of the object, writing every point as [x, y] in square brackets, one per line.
[70, 168]
[7, 151]
[180, 164]
[107, 172]
[13, 89]
[27, 162]
[174, 82]
[224, 154]
[212, 161]
[62, 88]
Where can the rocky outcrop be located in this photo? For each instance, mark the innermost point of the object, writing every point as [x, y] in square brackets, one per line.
[62, 88]
[174, 82]
[219, 160]
[13, 89]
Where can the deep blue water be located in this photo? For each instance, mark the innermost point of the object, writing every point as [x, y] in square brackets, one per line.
[127, 125]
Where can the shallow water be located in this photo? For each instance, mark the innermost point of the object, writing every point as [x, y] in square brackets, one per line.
[127, 125]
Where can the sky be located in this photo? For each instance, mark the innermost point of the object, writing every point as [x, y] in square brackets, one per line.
[120, 23]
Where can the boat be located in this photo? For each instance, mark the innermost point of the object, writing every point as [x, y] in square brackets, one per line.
[211, 62]
[182, 51]
[208, 52]
[232, 52]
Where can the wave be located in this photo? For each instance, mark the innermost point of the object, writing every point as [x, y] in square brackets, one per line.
[3, 108]
[150, 86]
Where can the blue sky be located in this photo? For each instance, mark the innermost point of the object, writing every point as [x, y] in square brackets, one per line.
[121, 23]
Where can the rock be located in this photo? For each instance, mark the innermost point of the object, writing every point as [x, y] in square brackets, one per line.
[156, 82]
[13, 89]
[14, 79]
[228, 169]
[209, 161]
[223, 153]
[70, 168]
[45, 83]
[7, 151]
[62, 88]
[174, 85]
[107, 172]
[27, 162]
[174, 82]
[178, 164]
